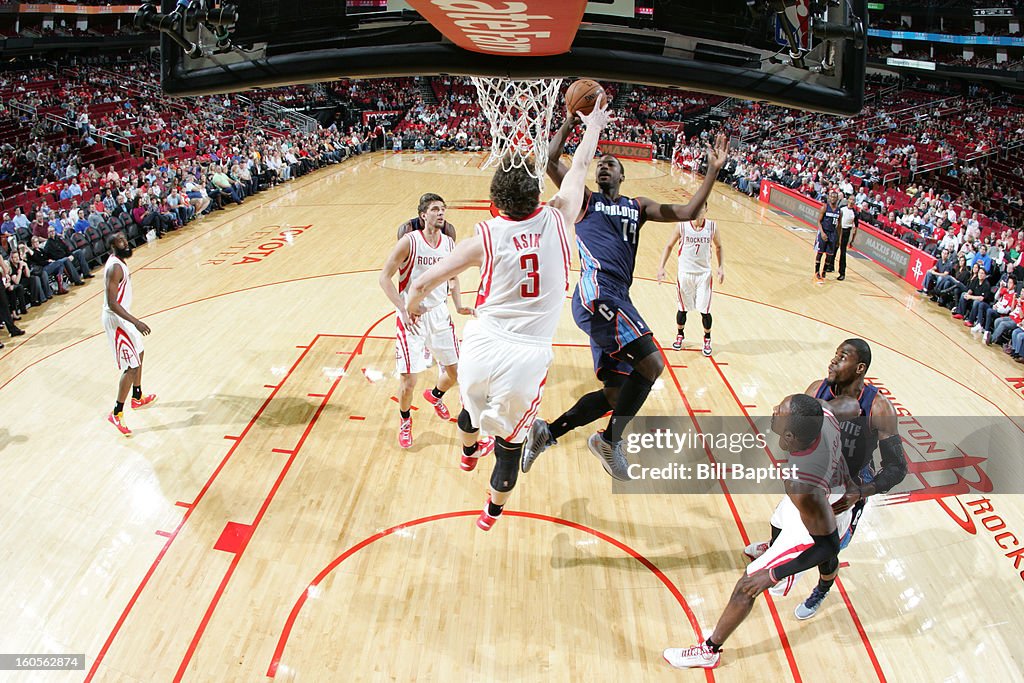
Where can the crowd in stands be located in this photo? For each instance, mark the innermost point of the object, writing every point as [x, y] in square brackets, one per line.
[72, 169]
[63, 194]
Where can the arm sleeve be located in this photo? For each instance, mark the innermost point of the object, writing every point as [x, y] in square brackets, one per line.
[894, 464]
[825, 548]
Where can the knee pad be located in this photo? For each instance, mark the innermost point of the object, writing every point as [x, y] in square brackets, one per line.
[829, 566]
[466, 423]
[506, 465]
[638, 349]
[706, 319]
[680, 318]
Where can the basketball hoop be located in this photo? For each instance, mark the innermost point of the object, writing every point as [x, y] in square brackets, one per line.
[520, 116]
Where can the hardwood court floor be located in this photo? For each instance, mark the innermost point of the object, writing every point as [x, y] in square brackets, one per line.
[262, 521]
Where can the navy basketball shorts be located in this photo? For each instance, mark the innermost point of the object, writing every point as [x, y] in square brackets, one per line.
[611, 322]
[827, 245]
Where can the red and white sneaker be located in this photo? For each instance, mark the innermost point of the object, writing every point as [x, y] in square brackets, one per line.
[485, 521]
[707, 346]
[439, 407]
[483, 447]
[678, 343]
[755, 550]
[118, 421]
[144, 401]
[405, 433]
[696, 657]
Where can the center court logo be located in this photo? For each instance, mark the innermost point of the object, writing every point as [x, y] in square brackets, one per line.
[257, 245]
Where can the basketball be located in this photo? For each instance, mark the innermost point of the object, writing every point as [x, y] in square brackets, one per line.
[582, 95]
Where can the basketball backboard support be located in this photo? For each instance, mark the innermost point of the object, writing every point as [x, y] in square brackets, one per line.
[728, 47]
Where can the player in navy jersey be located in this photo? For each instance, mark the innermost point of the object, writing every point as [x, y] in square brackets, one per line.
[828, 235]
[626, 359]
[875, 427]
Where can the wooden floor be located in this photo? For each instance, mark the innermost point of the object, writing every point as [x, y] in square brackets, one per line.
[262, 521]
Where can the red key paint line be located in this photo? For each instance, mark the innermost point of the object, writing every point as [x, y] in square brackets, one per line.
[360, 417]
[743, 408]
[201, 629]
[275, 661]
[188, 513]
[165, 534]
[283, 451]
[780, 629]
[860, 629]
[863, 635]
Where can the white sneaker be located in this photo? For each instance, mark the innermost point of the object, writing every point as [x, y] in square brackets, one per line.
[755, 550]
[696, 657]
[976, 328]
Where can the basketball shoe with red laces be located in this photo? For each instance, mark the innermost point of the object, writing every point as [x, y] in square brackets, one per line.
[483, 448]
[678, 343]
[439, 407]
[117, 419]
[707, 346]
[405, 432]
[696, 657]
[485, 521]
[144, 401]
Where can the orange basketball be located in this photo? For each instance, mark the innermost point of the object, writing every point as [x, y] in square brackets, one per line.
[582, 96]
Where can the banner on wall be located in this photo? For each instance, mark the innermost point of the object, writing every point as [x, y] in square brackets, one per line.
[895, 255]
[626, 150]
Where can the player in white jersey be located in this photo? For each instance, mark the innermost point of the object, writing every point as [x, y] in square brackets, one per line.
[809, 528]
[523, 256]
[432, 336]
[124, 331]
[696, 239]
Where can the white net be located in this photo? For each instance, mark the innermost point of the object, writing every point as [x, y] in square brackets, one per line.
[520, 116]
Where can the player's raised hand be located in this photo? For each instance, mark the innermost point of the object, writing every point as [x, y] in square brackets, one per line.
[600, 116]
[718, 154]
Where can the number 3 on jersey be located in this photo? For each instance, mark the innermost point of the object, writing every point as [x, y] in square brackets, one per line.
[531, 288]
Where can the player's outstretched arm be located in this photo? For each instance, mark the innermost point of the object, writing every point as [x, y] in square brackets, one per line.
[466, 254]
[570, 195]
[556, 169]
[670, 213]
[665, 253]
[386, 279]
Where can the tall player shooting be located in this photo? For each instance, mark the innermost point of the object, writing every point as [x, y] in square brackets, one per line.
[433, 335]
[626, 360]
[523, 255]
[124, 331]
[694, 282]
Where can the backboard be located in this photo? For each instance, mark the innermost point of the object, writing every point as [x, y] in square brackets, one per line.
[802, 53]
